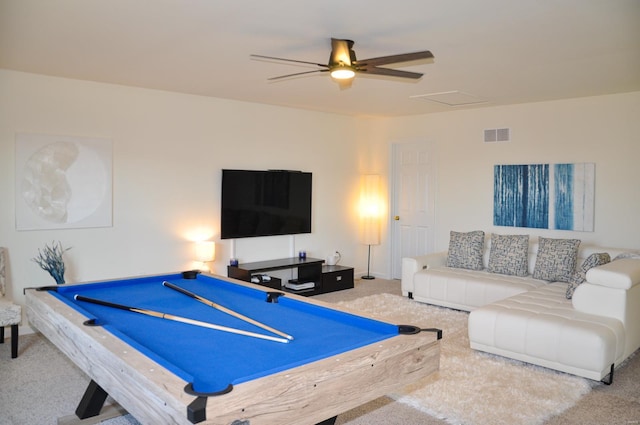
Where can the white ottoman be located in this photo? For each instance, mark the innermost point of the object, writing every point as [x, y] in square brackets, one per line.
[542, 327]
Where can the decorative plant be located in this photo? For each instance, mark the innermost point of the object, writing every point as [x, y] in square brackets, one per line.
[50, 260]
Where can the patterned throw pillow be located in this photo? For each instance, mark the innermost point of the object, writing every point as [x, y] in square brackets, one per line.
[465, 250]
[509, 255]
[627, 255]
[556, 259]
[597, 259]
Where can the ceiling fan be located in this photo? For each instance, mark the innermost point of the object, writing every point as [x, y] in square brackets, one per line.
[343, 65]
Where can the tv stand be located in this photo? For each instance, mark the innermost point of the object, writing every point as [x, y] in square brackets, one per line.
[325, 279]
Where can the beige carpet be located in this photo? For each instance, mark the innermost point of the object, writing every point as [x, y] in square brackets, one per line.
[472, 387]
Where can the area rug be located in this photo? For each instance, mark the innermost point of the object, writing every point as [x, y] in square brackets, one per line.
[471, 387]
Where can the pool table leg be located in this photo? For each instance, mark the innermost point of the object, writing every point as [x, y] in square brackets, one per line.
[92, 401]
[330, 421]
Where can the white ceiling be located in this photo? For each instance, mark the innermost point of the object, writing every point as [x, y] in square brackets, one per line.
[500, 51]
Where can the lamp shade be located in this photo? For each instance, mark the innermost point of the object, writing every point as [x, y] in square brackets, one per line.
[370, 209]
[205, 251]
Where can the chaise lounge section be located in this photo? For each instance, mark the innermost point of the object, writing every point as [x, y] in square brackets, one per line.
[582, 321]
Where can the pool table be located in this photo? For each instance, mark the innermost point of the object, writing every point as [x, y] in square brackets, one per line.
[128, 335]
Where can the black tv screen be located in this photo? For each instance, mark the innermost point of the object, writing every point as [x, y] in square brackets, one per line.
[265, 203]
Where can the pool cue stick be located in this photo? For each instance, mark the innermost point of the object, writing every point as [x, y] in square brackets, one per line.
[174, 318]
[226, 310]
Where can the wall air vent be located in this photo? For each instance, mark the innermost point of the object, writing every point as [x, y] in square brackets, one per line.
[497, 135]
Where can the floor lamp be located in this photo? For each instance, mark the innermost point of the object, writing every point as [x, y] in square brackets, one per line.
[370, 216]
[368, 276]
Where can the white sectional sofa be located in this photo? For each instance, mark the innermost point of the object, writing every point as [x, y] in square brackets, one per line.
[533, 320]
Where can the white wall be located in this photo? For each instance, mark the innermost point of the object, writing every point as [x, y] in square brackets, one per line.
[604, 130]
[168, 150]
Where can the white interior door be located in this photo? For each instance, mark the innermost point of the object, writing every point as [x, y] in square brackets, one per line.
[413, 203]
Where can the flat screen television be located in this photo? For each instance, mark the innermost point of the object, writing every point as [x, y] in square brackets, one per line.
[265, 203]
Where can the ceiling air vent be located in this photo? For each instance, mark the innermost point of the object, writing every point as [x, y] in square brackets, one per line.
[497, 135]
[451, 98]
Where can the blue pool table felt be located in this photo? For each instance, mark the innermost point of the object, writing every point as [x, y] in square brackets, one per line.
[212, 360]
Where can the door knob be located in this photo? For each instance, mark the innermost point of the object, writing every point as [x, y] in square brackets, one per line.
[396, 218]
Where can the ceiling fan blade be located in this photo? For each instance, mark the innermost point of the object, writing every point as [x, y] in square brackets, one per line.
[296, 74]
[341, 52]
[405, 57]
[390, 72]
[288, 60]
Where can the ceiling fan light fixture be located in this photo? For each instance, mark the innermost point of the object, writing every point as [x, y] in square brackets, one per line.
[342, 72]
[343, 64]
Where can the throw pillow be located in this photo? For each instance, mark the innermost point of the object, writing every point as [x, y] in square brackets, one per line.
[509, 255]
[627, 255]
[597, 259]
[465, 250]
[556, 259]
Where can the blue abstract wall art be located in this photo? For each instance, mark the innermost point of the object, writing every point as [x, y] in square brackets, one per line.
[521, 195]
[544, 196]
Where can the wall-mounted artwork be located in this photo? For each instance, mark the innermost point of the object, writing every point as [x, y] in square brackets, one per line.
[62, 182]
[544, 196]
[521, 195]
[574, 186]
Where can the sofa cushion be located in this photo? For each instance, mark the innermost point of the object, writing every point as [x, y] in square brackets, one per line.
[556, 259]
[465, 289]
[509, 255]
[465, 250]
[594, 260]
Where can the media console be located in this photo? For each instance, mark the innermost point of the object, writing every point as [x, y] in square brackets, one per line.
[324, 278]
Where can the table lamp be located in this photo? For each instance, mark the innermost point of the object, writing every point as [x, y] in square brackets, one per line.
[205, 253]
